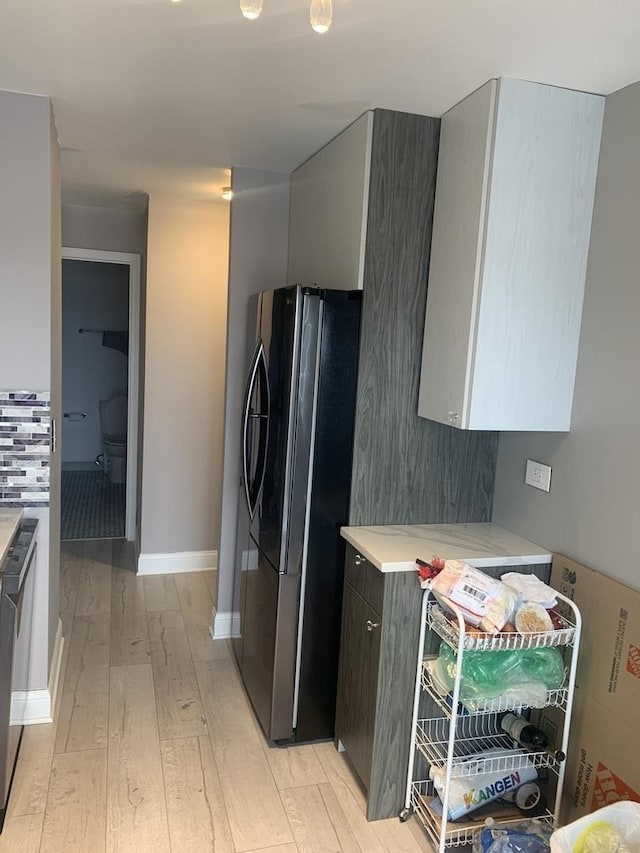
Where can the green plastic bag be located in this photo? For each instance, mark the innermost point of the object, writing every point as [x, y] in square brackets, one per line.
[488, 676]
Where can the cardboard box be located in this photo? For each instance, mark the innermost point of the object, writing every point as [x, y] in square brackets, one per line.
[577, 582]
[609, 655]
[603, 765]
[603, 760]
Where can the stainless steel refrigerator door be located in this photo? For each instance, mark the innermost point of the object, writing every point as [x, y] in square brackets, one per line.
[280, 330]
[255, 425]
[278, 529]
[242, 550]
[255, 429]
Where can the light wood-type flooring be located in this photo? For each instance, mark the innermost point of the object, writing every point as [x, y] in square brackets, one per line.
[154, 748]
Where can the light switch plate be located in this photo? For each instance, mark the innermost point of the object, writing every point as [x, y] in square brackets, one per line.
[538, 475]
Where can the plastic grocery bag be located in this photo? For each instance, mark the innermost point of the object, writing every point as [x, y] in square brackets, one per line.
[612, 829]
[524, 674]
[525, 837]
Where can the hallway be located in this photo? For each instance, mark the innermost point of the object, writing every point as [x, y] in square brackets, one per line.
[154, 747]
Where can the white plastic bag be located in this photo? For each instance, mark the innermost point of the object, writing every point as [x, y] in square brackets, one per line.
[612, 829]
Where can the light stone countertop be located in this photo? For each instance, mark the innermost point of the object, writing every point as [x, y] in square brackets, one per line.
[394, 547]
[9, 520]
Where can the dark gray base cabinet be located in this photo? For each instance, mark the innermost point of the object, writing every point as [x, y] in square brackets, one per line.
[379, 641]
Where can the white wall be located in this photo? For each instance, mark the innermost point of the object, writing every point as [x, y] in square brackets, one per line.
[257, 261]
[94, 296]
[592, 511]
[187, 267]
[29, 289]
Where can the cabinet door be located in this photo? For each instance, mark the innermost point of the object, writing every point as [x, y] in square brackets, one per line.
[512, 221]
[454, 270]
[358, 681]
[329, 198]
[537, 232]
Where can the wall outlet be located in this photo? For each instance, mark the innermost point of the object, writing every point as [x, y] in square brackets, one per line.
[538, 475]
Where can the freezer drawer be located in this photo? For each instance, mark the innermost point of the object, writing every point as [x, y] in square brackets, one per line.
[269, 646]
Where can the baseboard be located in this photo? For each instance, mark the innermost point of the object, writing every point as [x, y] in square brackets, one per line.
[56, 666]
[30, 707]
[181, 561]
[226, 624]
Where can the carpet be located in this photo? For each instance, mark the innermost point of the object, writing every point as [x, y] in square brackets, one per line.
[92, 506]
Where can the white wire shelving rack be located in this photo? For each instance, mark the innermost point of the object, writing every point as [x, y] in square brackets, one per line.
[464, 742]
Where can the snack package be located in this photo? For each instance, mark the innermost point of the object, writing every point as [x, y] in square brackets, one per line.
[532, 618]
[485, 602]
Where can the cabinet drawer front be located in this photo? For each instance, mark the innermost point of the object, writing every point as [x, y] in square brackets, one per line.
[365, 578]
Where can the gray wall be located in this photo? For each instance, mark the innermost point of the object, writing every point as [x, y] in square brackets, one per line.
[112, 229]
[186, 310]
[592, 511]
[94, 296]
[257, 261]
[29, 290]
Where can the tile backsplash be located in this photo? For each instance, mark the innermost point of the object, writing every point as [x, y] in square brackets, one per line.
[25, 431]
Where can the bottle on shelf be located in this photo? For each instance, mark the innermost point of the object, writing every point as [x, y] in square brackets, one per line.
[529, 736]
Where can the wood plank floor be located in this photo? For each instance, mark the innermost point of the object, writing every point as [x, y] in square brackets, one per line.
[154, 747]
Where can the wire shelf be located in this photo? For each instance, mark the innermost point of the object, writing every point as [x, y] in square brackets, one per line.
[457, 833]
[554, 698]
[449, 631]
[475, 736]
[422, 793]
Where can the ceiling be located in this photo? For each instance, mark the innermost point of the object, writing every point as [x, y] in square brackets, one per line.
[155, 96]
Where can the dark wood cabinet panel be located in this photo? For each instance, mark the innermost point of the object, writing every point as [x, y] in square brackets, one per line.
[406, 470]
[394, 695]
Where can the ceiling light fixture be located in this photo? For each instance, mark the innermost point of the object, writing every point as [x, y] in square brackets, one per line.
[320, 13]
[227, 193]
[251, 8]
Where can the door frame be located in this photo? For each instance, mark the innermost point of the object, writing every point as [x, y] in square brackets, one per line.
[133, 402]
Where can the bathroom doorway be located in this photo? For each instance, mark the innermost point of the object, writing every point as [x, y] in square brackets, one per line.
[100, 370]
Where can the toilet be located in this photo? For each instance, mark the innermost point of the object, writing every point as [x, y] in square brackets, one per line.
[113, 426]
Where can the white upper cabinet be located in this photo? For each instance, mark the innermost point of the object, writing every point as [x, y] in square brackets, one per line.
[514, 198]
[329, 198]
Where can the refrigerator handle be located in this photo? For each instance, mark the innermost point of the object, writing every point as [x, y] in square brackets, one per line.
[257, 373]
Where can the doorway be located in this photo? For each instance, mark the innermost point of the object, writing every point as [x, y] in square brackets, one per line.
[100, 369]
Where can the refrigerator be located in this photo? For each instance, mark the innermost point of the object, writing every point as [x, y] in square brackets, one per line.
[297, 430]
